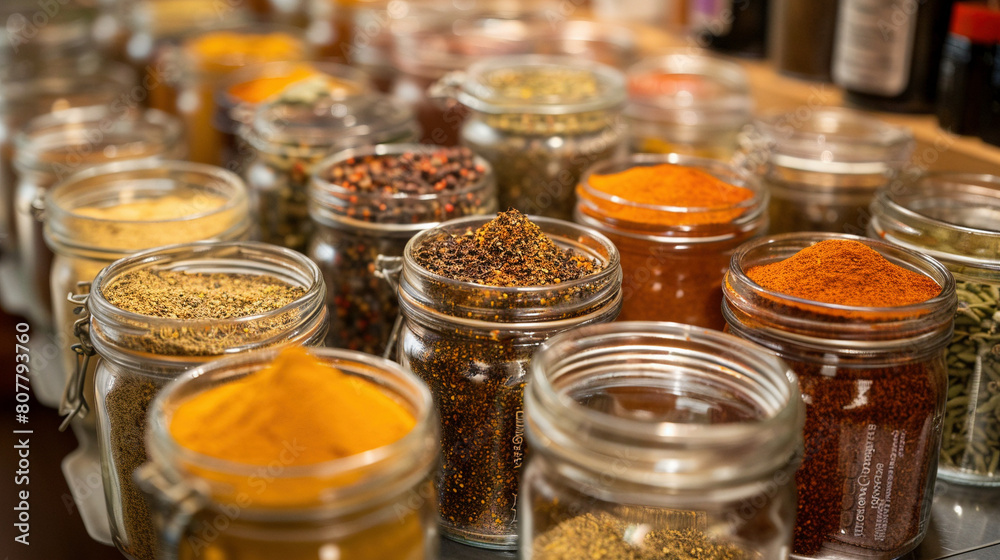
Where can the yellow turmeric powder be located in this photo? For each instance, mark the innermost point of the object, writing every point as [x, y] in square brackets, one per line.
[709, 199]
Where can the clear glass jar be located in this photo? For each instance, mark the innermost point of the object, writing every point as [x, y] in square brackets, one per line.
[953, 217]
[472, 344]
[205, 203]
[673, 258]
[874, 383]
[234, 111]
[23, 97]
[387, 510]
[542, 121]
[694, 442]
[693, 104]
[202, 60]
[823, 166]
[289, 137]
[33, 35]
[138, 356]
[54, 146]
[353, 229]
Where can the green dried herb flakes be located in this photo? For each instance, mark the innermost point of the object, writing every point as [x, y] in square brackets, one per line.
[508, 251]
[971, 441]
[611, 538]
[196, 296]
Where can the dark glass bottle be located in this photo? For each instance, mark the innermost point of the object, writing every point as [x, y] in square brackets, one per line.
[967, 67]
[737, 27]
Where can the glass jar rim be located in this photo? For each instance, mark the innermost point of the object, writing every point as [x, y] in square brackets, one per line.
[323, 193]
[162, 445]
[77, 127]
[897, 215]
[103, 312]
[855, 324]
[62, 79]
[765, 381]
[225, 99]
[480, 96]
[753, 209]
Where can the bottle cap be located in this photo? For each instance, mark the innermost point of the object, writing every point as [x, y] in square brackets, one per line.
[977, 22]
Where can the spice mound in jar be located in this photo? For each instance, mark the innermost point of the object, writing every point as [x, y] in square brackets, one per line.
[299, 77]
[296, 412]
[508, 251]
[611, 537]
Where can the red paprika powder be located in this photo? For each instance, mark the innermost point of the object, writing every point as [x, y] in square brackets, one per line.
[864, 326]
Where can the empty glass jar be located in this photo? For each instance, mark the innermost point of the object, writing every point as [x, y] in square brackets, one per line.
[654, 439]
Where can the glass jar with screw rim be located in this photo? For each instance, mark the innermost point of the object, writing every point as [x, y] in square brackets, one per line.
[874, 384]
[289, 137]
[542, 121]
[822, 168]
[353, 229]
[954, 218]
[655, 437]
[472, 344]
[139, 354]
[388, 511]
[693, 104]
[54, 146]
[673, 258]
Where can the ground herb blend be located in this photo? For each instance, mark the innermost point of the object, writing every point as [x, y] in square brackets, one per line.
[868, 347]
[477, 302]
[125, 394]
[371, 204]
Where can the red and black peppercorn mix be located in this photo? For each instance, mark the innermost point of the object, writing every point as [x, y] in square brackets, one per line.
[368, 191]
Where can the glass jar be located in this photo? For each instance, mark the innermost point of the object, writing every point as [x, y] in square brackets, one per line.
[542, 122]
[874, 383]
[472, 344]
[33, 35]
[201, 62]
[52, 147]
[140, 354]
[22, 98]
[289, 137]
[386, 510]
[823, 168]
[953, 217]
[673, 258]
[693, 104]
[243, 91]
[693, 443]
[353, 229]
[195, 202]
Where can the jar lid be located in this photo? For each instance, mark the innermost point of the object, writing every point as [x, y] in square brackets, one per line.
[979, 23]
[327, 120]
[539, 84]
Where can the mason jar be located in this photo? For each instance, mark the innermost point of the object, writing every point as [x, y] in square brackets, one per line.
[110, 211]
[823, 168]
[139, 354]
[953, 217]
[693, 104]
[472, 344]
[290, 136]
[673, 258]
[542, 121]
[378, 504]
[874, 383]
[24, 96]
[354, 229]
[693, 444]
[52, 147]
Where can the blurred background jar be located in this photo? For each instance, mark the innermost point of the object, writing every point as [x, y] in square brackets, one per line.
[291, 134]
[542, 121]
[673, 254]
[955, 218]
[356, 227]
[595, 484]
[732, 27]
[691, 104]
[204, 59]
[239, 96]
[822, 168]
[34, 35]
[800, 37]
[23, 97]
